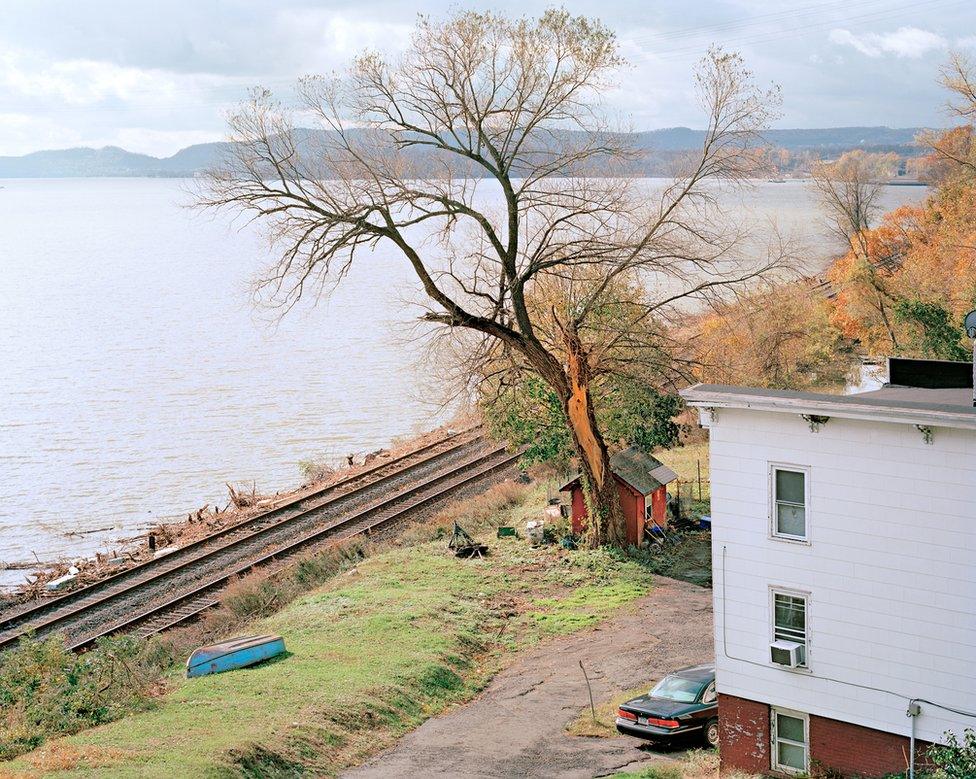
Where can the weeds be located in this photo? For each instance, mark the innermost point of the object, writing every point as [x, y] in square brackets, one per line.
[685, 556]
[605, 723]
[653, 772]
[697, 764]
[46, 689]
[375, 652]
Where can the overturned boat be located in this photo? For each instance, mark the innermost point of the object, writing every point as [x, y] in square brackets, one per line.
[234, 653]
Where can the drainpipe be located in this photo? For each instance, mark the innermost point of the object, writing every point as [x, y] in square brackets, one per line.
[913, 711]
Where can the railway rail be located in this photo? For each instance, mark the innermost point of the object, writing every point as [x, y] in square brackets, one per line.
[171, 589]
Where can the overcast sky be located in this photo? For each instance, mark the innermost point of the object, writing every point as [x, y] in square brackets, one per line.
[155, 77]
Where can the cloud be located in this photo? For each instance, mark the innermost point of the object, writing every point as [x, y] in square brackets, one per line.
[910, 42]
[24, 133]
[76, 82]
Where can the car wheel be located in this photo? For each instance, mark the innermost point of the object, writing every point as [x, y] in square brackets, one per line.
[711, 732]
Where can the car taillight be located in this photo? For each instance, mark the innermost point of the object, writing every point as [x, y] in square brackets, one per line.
[626, 715]
[664, 723]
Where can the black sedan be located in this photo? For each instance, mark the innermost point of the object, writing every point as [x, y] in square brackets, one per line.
[682, 704]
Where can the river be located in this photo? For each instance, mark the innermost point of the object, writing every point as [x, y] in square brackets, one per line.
[138, 377]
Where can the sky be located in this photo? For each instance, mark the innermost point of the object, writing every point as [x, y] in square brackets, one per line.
[154, 77]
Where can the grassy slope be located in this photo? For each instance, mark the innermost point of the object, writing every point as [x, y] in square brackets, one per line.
[371, 656]
[684, 460]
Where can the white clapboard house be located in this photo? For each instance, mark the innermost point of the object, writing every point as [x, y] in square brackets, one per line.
[844, 558]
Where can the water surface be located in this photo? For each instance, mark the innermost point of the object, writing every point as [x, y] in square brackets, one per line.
[137, 377]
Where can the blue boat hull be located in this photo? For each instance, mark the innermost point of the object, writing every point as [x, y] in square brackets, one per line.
[236, 653]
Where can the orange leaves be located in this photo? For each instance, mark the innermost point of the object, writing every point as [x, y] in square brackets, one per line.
[918, 253]
[777, 337]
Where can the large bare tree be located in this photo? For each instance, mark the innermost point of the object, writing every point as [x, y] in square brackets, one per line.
[850, 189]
[482, 155]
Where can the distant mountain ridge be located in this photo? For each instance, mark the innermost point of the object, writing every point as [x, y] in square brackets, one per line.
[110, 161]
[114, 161]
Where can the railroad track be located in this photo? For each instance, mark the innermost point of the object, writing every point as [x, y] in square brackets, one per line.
[188, 605]
[171, 589]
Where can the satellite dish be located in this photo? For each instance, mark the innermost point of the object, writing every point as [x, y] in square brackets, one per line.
[970, 324]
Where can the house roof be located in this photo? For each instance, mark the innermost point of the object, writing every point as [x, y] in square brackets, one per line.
[943, 407]
[643, 472]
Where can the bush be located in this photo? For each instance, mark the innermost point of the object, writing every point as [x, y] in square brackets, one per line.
[955, 760]
[46, 689]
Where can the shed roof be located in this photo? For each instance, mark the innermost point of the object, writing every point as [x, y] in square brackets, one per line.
[643, 472]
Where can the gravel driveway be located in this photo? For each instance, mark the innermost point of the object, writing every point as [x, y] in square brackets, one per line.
[516, 727]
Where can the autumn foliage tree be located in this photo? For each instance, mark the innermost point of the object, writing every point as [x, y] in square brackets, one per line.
[781, 336]
[405, 153]
[905, 285]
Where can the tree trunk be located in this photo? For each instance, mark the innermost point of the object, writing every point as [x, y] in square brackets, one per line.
[605, 517]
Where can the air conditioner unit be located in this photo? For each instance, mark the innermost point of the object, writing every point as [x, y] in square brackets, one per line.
[786, 653]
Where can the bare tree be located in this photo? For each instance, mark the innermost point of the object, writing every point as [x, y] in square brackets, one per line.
[849, 190]
[957, 147]
[407, 152]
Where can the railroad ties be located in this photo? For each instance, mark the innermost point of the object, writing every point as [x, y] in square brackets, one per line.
[159, 594]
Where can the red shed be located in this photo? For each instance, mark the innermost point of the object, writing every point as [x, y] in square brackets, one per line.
[638, 476]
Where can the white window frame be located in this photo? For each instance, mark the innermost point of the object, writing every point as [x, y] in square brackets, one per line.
[774, 741]
[775, 590]
[773, 532]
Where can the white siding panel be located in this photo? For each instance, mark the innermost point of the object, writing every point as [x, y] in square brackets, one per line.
[890, 568]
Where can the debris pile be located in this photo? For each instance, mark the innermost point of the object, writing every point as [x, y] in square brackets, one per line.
[244, 501]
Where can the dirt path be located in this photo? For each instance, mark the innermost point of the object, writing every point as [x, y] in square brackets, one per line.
[516, 727]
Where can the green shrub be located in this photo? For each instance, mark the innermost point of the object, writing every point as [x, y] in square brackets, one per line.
[46, 689]
[956, 759]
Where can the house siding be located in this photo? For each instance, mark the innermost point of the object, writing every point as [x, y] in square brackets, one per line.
[890, 568]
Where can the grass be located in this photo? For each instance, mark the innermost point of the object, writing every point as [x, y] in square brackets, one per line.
[697, 764]
[685, 461]
[686, 556]
[587, 605]
[401, 636]
[604, 725]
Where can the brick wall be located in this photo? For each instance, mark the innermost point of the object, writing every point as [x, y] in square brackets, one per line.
[850, 750]
[743, 734]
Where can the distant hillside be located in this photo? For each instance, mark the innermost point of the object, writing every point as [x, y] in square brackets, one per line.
[109, 161]
[828, 139]
[659, 145]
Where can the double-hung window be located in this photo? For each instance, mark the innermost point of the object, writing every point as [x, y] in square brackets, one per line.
[791, 750]
[790, 621]
[789, 509]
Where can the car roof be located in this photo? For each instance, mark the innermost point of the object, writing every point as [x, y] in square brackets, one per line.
[696, 673]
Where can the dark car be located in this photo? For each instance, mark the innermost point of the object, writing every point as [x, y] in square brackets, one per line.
[683, 704]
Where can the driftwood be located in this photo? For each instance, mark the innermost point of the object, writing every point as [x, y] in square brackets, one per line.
[242, 499]
[244, 502]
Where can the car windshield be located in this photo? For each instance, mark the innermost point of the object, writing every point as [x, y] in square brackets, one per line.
[674, 688]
